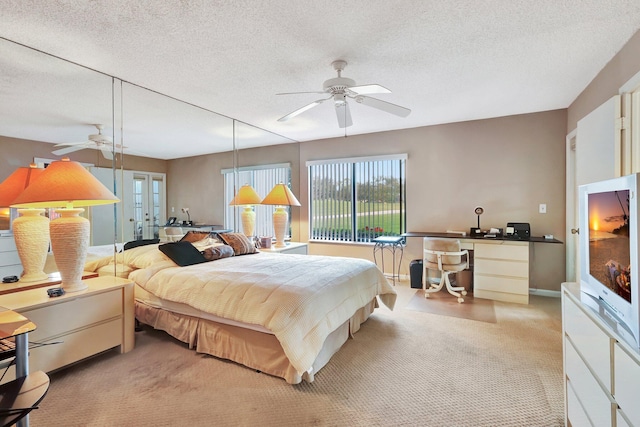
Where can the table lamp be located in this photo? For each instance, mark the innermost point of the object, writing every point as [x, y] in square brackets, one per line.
[247, 197]
[30, 229]
[66, 185]
[280, 196]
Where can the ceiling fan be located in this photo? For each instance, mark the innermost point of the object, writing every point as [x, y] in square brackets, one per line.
[340, 89]
[96, 141]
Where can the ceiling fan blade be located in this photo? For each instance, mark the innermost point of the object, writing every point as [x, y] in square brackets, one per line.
[106, 153]
[70, 144]
[343, 114]
[302, 110]
[68, 150]
[368, 89]
[296, 93]
[383, 105]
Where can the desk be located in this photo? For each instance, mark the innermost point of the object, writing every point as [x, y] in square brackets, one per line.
[501, 265]
[392, 244]
[21, 395]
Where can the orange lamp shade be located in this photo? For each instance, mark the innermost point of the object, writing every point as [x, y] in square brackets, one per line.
[246, 196]
[64, 184]
[17, 182]
[281, 195]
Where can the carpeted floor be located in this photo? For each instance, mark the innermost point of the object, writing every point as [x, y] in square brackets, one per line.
[403, 368]
[444, 304]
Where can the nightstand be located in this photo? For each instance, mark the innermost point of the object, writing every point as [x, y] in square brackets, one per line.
[290, 248]
[81, 324]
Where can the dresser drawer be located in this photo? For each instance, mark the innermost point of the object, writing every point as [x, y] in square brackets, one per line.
[575, 412]
[627, 384]
[502, 251]
[593, 344]
[74, 314]
[502, 268]
[596, 402]
[7, 244]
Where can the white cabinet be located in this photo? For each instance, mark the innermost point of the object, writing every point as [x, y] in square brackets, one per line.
[10, 264]
[501, 271]
[602, 372]
[76, 325]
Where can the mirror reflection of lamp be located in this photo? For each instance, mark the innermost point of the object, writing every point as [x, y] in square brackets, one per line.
[280, 196]
[247, 197]
[186, 210]
[30, 229]
[66, 185]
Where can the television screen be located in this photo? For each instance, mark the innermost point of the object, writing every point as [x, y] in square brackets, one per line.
[609, 245]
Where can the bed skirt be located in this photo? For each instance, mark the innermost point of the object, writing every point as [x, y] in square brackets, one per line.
[256, 350]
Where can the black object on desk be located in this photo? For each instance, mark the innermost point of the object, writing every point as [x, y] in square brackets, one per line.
[392, 244]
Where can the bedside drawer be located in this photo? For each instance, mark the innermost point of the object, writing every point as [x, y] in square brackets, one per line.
[590, 341]
[73, 314]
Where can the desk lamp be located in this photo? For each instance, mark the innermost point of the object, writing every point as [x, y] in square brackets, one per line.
[30, 229]
[66, 185]
[280, 196]
[247, 197]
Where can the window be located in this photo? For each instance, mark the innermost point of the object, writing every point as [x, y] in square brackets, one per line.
[262, 179]
[357, 200]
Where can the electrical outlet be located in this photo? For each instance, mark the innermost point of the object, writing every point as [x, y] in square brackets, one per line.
[173, 209]
[543, 208]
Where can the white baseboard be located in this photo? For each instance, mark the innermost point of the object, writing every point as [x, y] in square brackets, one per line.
[544, 293]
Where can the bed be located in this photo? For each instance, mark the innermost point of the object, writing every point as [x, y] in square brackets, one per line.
[284, 315]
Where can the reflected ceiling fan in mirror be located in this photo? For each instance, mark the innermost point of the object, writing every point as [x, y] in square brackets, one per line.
[96, 141]
[340, 89]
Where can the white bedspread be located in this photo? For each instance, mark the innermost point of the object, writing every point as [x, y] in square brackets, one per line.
[300, 298]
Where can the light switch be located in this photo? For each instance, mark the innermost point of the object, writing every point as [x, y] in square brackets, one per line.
[543, 208]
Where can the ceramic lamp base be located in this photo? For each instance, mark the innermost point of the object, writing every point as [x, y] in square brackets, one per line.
[31, 233]
[248, 221]
[69, 242]
[280, 219]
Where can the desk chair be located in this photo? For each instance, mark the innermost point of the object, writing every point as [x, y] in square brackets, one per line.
[444, 255]
[173, 234]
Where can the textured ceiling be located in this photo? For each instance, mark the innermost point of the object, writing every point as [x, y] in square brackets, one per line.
[447, 61]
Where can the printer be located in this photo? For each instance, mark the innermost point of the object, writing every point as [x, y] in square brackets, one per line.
[518, 231]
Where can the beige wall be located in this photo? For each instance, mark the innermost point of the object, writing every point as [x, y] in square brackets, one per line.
[507, 165]
[607, 83]
[197, 182]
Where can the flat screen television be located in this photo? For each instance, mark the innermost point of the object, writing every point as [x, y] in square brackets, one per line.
[609, 252]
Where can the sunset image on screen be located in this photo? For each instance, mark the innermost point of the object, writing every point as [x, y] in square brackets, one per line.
[609, 252]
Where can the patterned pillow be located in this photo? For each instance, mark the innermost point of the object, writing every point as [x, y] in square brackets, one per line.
[239, 242]
[218, 252]
[194, 236]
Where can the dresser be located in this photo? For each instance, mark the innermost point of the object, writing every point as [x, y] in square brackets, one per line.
[76, 325]
[601, 370]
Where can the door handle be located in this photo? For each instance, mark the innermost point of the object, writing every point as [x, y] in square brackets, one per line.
[575, 231]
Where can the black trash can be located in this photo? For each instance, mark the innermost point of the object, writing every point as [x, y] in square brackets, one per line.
[415, 272]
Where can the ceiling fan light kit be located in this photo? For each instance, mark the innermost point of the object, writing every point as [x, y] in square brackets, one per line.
[339, 89]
